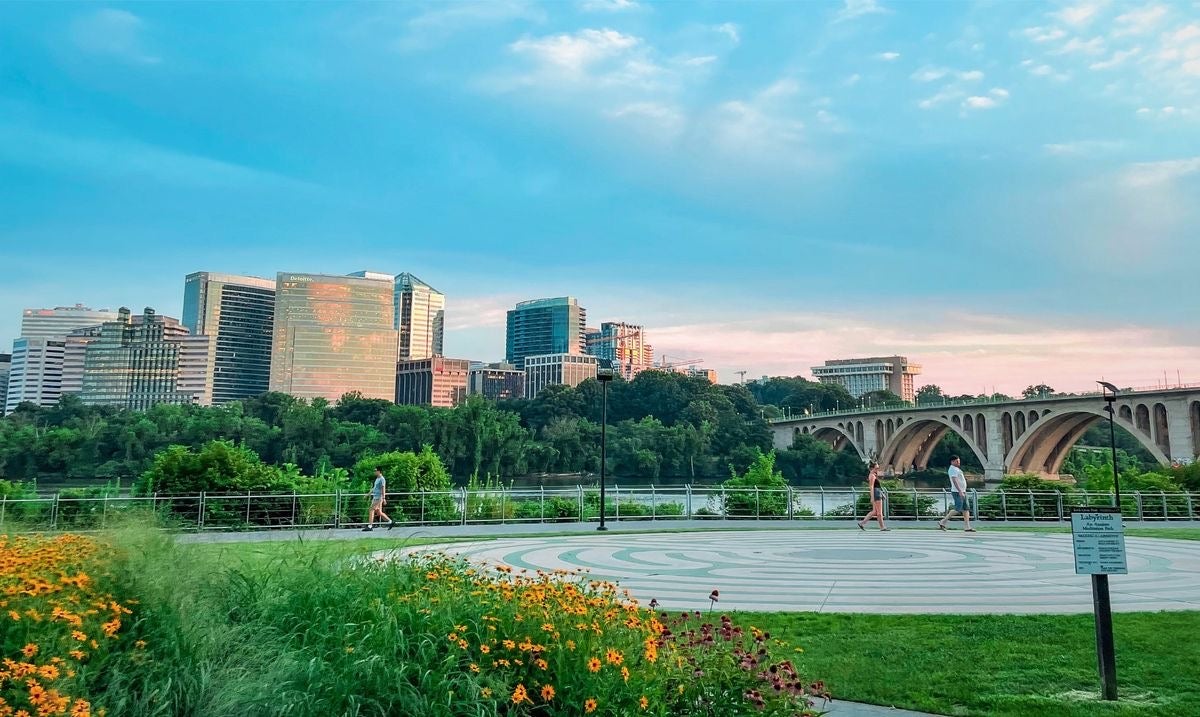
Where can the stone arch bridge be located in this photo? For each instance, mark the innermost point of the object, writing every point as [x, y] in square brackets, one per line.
[1020, 436]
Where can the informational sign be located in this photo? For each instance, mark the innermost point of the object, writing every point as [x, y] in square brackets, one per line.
[1099, 539]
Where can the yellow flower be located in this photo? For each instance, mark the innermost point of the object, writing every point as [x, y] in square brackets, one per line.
[29, 650]
[624, 673]
[589, 705]
[547, 693]
[542, 664]
[643, 702]
[141, 645]
[593, 664]
[79, 635]
[520, 695]
[474, 667]
[485, 692]
[614, 657]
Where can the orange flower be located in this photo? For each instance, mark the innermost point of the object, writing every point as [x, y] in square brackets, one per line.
[643, 702]
[593, 664]
[520, 695]
[589, 705]
[29, 650]
[547, 693]
[614, 657]
[625, 673]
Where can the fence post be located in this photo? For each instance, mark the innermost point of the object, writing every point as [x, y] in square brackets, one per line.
[724, 504]
[1137, 495]
[54, 513]
[1190, 515]
[104, 511]
[616, 501]
[4, 506]
[337, 508]
[422, 506]
[295, 505]
[916, 505]
[1060, 506]
[790, 512]
[503, 503]
[581, 515]
[542, 508]
[653, 505]
[1166, 512]
[465, 495]
[854, 501]
[822, 503]
[757, 505]
[974, 503]
[1003, 505]
[688, 498]
[247, 507]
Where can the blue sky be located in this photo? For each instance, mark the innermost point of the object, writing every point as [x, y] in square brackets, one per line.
[1006, 192]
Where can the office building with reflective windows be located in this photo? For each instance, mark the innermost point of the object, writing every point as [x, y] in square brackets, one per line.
[435, 381]
[5, 367]
[623, 346]
[334, 335]
[138, 364]
[61, 320]
[420, 318]
[557, 369]
[496, 381]
[237, 313]
[35, 375]
[544, 326]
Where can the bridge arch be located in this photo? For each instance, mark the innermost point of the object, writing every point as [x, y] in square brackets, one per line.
[838, 437]
[913, 443]
[1048, 443]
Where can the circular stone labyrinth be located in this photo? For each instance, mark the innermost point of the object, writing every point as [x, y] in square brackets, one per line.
[904, 571]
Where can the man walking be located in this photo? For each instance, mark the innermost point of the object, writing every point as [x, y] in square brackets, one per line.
[958, 488]
[378, 500]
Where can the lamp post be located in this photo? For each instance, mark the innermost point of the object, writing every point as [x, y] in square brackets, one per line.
[1110, 398]
[603, 375]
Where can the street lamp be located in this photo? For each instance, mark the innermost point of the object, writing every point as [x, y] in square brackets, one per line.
[603, 375]
[1110, 398]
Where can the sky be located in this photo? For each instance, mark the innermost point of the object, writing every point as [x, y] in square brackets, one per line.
[1006, 192]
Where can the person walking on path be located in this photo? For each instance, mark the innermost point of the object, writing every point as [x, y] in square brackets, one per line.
[876, 491]
[378, 500]
[958, 488]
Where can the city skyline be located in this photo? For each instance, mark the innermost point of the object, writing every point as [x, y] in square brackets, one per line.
[998, 191]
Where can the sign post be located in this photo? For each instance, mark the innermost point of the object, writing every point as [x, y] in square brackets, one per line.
[1099, 540]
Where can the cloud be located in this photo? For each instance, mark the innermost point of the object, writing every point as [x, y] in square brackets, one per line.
[124, 160]
[1118, 58]
[852, 80]
[961, 352]
[971, 75]
[932, 74]
[888, 56]
[1044, 34]
[1094, 46]
[435, 26]
[1141, 21]
[116, 33]
[945, 95]
[1150, 174]
[1082, 148]
[574, 53]
[1167, 112]
[729, 30]
[665, 118]
[994, 98]
[1078, 15]
[608, 5]
[854, 9]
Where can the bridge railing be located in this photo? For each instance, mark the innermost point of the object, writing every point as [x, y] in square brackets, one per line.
[981, 401]
[460, 506]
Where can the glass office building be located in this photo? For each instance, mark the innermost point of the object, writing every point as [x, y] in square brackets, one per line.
[333, 335]
[437, 381]
[237, 313]
[56, 323]
[496, 381]
[545, 326]
[35, 375]
[136, 364]
[420, 318]
[5, 366]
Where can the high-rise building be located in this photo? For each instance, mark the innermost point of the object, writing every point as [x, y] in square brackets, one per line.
[333, 335]
[75, 354]
[496, 381]
[557, 369]
[56, 323]
[36, 373]
[420, 318]
[545, 326]
[877, 373]
[707, 374]
[435, 381]
[5, 367]
[137, 365]
[623, 346]
[237, 313]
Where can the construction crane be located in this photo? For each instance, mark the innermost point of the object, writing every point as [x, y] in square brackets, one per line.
[741, 376]
[666, 365]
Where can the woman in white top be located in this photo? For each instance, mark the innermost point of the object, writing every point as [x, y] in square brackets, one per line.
[876, 492]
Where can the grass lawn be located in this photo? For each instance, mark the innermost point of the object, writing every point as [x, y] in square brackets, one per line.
[998, 664]
[1134, 531]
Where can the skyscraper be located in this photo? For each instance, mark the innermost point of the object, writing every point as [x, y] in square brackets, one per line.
[333, 335]
[545, 326]
[623, 345]
[237, 313]
[36, 373]
[137, 365]
[56, 323]
[5, 367]
[420, 318]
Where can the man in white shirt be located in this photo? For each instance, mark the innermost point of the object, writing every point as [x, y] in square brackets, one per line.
[958, 488]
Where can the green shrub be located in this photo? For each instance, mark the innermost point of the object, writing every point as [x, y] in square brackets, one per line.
[759, 492]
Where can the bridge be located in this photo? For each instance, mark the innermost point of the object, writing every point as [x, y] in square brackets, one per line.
[1032, 435]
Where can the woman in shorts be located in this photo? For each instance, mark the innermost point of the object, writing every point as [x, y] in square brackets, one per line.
[875, 489]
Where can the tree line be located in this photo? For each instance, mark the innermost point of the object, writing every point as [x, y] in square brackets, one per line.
[661, 425]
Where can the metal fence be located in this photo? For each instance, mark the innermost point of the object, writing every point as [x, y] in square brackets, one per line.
[251, 511]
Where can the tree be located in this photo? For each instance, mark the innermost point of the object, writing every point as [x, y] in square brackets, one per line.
[760, 491]
[1041, 390]
[880, 398]
[929, 393]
